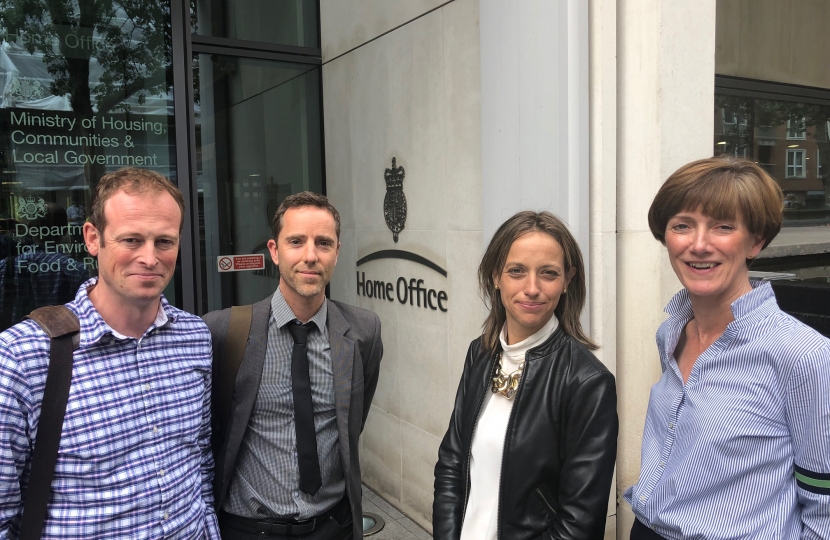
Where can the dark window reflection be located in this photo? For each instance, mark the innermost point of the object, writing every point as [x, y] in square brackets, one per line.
[787, 138]
[85, 88]
[258, 139]
[282, 22]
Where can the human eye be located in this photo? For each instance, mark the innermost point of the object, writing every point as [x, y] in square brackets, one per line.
[166, 243]
[515, 271]
[550, 274]
[131, 242]
[325, 243]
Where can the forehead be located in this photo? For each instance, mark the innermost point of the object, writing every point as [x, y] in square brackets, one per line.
[156, 208]
[536, 246]
[308, 220]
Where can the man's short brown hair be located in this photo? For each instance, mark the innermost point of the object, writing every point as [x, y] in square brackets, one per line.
[304, 198]
[722, 187]
[133, 181]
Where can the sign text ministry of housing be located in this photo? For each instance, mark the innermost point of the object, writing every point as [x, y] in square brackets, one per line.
[39, 143]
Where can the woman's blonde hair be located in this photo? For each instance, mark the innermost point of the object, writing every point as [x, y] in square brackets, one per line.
[570, 304]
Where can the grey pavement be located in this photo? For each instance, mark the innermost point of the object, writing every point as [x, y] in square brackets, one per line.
[398, 526]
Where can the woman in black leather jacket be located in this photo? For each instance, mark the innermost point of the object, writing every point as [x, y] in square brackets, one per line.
[531, 445]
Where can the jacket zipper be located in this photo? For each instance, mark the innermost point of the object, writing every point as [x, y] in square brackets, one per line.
[545, 500]
[504, 452]
[472, 434]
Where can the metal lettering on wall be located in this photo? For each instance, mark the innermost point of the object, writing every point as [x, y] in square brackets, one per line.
[410, 291]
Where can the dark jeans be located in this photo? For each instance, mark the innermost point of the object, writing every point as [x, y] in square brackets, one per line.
[641, 532]
[337, 526]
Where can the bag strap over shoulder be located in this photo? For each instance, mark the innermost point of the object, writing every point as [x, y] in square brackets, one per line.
[63, 329]
[224, 374]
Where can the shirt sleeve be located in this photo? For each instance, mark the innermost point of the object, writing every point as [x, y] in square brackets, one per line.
[808, 412]
[14, 441]
[211, 523]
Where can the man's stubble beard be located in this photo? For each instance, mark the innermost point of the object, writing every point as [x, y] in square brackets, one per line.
[305, 289]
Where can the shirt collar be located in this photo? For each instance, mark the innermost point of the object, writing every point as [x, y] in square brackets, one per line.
[282, 314]
[747, 308]
[94, 327]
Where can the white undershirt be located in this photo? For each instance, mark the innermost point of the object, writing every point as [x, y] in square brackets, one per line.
[481, 519]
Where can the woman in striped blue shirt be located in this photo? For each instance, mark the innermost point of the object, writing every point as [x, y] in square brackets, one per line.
[737, 436]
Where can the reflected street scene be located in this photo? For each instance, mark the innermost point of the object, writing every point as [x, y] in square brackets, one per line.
[85, 88]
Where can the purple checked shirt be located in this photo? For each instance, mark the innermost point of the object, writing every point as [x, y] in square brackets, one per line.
[134, 458]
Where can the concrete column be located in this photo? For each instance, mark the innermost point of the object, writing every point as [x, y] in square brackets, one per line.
[602, 278]
[665, 100]
[534, 111]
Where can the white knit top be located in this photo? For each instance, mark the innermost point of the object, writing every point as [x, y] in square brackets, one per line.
[481, 519]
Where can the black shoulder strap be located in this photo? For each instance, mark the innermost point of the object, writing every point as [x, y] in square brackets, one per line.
[224, 372]
[62, 326]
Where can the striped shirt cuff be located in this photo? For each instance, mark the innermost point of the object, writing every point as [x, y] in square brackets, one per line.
[813, 482]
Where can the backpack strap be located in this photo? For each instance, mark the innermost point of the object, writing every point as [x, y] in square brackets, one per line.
[63, 329]
[224, 374]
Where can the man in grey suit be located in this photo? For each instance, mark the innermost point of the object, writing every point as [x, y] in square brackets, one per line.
[287, 459]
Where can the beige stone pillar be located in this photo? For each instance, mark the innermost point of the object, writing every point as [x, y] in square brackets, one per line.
[665, 103]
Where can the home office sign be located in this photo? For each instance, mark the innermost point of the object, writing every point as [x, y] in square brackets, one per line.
[405, 290]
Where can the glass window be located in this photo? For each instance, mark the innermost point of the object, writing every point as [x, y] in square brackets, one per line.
[795, 128]
[282, 22]
[795, 163]
[85, 88]
[782, 136]
[258, 139]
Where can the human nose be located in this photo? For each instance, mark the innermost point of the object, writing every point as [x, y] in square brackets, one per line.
[310, 253]
[531, 285]
[700, 241]
[147, 254]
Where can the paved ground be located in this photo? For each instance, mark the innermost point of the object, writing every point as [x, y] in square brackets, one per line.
[398, 526]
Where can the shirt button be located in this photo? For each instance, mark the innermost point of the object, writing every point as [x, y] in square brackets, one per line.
[166, 515]
[155, 429]
[161, 472]
[671, 425]
[642, 497]
[147, 387]
[662, 463]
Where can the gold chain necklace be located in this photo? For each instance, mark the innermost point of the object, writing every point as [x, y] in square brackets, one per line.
[504, 384]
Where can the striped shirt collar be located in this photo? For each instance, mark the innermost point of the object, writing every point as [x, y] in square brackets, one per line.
[748, 309]
[281, 313]
[94, 328]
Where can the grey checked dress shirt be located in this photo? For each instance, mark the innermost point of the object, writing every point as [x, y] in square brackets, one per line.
[266, 480]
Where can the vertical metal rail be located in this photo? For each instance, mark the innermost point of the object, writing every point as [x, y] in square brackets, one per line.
[186, 154]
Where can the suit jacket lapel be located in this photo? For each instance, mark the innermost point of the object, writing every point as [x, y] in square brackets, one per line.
[247, 385]
[342, 360]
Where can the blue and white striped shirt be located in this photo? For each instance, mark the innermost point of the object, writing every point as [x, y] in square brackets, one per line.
[134, 458]
[742, 450]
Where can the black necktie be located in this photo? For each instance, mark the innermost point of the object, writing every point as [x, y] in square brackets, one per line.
[307, 458]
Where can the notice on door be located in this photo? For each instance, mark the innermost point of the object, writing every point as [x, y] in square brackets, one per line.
[238, 263]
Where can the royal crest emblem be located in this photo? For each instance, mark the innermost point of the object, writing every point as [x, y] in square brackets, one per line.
[394, 203]
[29, 208]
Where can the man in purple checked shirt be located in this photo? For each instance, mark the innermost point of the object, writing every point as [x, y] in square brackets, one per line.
[134, 459]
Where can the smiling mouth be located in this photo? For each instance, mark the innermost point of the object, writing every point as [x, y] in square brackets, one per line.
[702, 266]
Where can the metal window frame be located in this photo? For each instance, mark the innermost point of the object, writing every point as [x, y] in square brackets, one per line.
[754, 88]
[185, 44]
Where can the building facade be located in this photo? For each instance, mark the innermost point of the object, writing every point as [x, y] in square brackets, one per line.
[427, 123]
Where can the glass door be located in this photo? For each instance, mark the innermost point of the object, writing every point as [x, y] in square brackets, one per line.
[258, 139]
[257, 136]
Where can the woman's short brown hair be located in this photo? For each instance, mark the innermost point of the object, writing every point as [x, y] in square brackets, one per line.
[570, 305]
[721, 187]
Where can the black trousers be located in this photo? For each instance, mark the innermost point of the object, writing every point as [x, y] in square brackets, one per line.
[337, 526]
[641, 532]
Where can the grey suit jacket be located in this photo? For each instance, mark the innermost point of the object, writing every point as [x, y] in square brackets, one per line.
[356, 351]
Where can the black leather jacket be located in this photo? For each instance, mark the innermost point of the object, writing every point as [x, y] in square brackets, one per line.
[559, 450]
